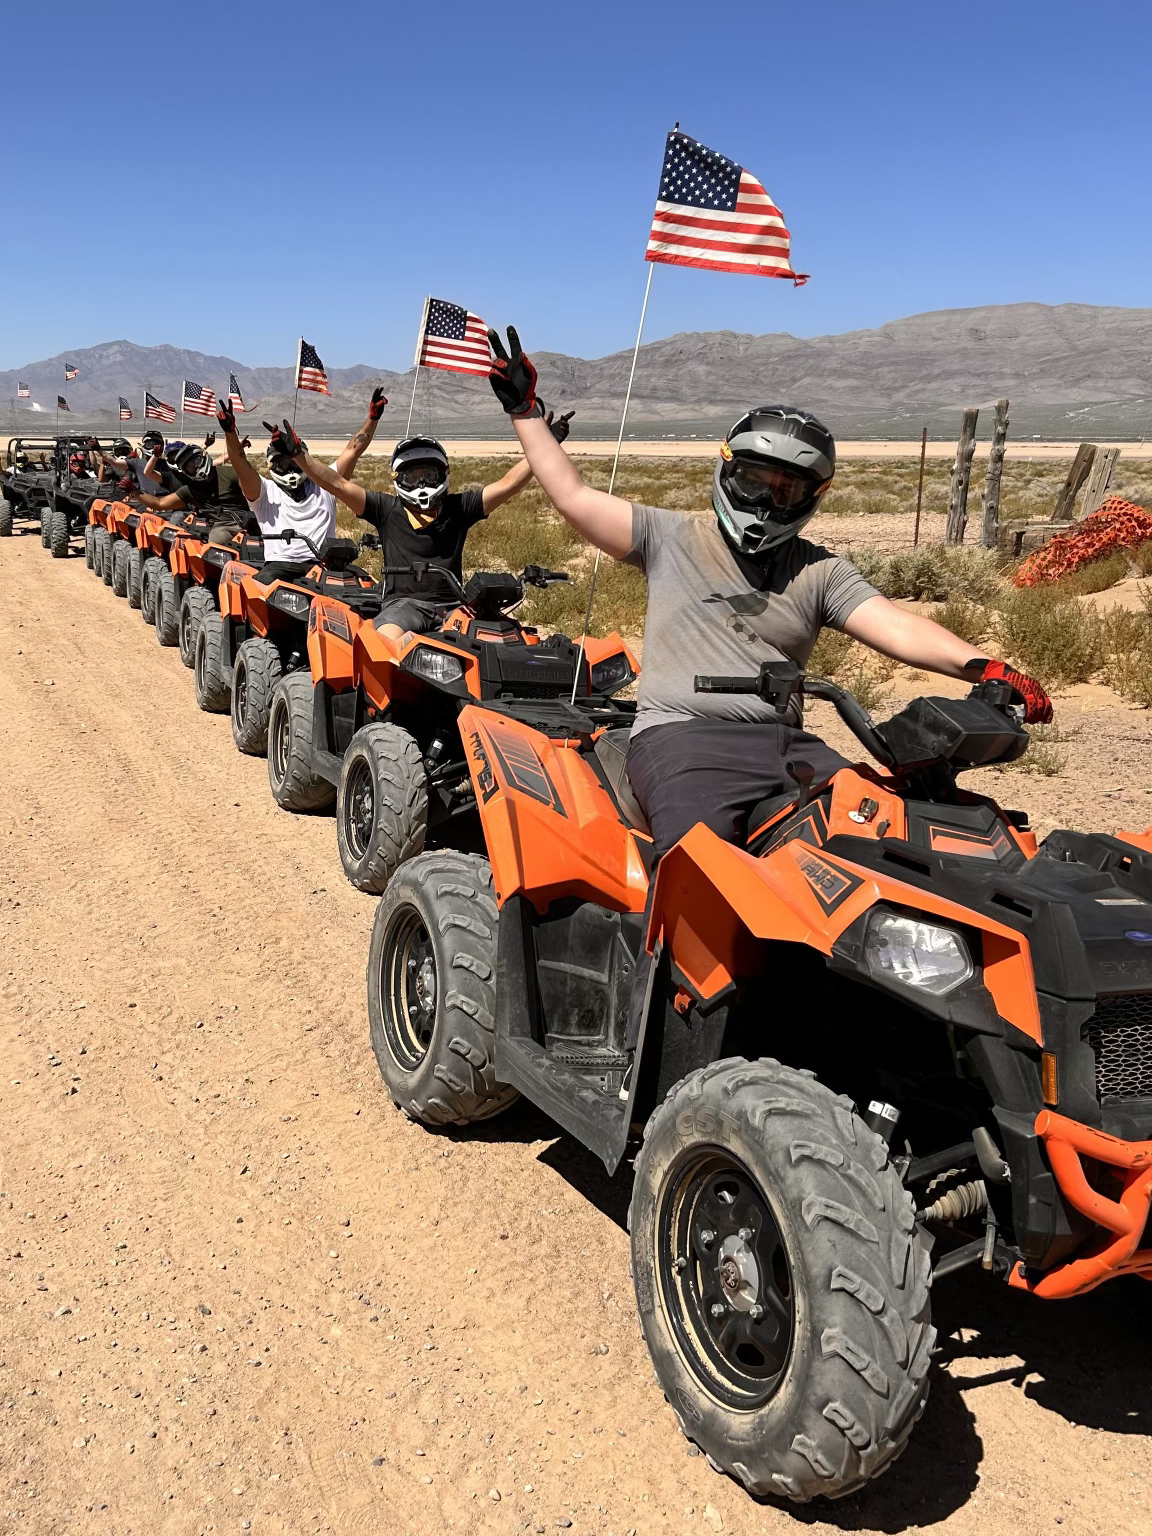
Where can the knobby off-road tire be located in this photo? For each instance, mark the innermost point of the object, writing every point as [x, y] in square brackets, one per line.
[108, 567]
[381, 805]
[195, 604]
[61, 534]
[833, 1249]
[103, 555]
[254, 677]
[167, 610]
[46, 526]
[90, 545]
[212, 692]
[135, 576]
[120, 553]
[294, 786]
[432, 990]
[5, 519]
[154, 567]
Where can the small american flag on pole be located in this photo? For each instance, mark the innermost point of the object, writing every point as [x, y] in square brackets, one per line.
[235, 398]
[125, 410]
[198, 400]
[61, 403]
[310, 370]
[22, 391]
[70, 371]
[156, 410]
[711, 212]
[453, 338]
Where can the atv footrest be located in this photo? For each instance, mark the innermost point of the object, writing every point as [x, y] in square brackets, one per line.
[597, 1120]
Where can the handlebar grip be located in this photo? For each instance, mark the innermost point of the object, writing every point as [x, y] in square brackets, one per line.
[704, 684]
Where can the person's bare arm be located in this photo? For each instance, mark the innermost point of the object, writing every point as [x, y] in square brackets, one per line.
[167, 503]
[245, 474]
[509, 485]
[910, 638]
[355, 446]
[354, 496]
[603, 520]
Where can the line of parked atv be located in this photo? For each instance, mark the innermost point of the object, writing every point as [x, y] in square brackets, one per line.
[889, 1038]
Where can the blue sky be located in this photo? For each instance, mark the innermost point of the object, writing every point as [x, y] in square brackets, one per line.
[239, 174]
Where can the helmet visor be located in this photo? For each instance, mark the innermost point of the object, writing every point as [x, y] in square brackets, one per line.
[779, 490]
[423, 475]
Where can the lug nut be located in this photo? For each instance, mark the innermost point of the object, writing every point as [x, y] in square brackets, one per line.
[718, 1309]
[745, 1234]
[707, 1238]
[756, 1312]
[681, 1264]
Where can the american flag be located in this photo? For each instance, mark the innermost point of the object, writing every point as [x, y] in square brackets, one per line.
[22, 391]
[198, 400]
[710, 212]
[61, 403]
[70, 371]
[125, 410]
[156, 410]
[453, 338]
[235, 398]
[310, 370]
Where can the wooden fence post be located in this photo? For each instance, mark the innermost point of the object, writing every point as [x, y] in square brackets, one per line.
[961, 474]
[1099, 480]
[1077, 475]
[991, 527]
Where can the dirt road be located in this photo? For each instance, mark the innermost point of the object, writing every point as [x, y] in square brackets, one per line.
[241, 1292]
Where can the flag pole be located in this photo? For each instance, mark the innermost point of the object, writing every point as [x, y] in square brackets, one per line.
[183, 382]
[296, 396]
[612, 477]
[416, 363]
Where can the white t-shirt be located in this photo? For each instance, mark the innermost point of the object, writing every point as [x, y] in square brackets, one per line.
[276, 512]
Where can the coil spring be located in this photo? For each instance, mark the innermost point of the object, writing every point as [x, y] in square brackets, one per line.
[956, 1204]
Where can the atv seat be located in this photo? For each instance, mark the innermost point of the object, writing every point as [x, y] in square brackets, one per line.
[764, 810]
[611, 749]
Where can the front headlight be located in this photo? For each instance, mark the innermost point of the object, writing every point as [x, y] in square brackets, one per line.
[288, 600]
[436, 666]
[919, 955]
[611, 673]
[214, 555]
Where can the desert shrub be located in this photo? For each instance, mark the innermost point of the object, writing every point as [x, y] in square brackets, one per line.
[1050, 636]
[1142, 558]
[868, 687]
[969, 620]
[1126, 643]
[1097, 576]
[829, 653]
[934, 574]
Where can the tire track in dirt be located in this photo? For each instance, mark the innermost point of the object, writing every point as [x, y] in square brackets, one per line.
[239, 1268]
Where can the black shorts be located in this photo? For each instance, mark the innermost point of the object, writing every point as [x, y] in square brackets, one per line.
[283, 570]
[418, 614]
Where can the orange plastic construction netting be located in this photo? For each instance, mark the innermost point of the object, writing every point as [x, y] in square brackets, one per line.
[1116, 524]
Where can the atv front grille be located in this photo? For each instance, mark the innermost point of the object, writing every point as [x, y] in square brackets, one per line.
[1120, 1033]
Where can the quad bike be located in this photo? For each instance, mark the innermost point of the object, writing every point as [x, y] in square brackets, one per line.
[110, 540]
[196, 566]
[888, 1038]
[259, 633]
[375, 722]
[26, 483]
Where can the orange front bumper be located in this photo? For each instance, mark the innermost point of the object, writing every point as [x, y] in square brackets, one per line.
[1066, 1142]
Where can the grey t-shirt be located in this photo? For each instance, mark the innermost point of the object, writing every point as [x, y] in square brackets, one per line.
[704, 615]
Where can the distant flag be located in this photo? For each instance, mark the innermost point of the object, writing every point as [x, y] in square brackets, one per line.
[61, 403]
[310, 370]
[453, 338]
[235, 398]
[23, 392]
[70, 371]
[156, 410]
[711, 212]
[200, 401]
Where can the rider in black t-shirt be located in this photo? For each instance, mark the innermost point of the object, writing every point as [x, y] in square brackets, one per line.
[424, 525]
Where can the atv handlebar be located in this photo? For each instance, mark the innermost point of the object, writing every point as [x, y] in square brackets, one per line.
[779, 682]
[530, 576]
[367, 541]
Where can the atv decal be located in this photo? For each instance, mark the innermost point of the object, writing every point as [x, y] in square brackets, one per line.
[485, 779]
[336, 624]
[807, 826]
[523, 769]
[831, 886]
[975, 845]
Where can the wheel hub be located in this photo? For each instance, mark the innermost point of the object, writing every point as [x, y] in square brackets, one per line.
[425, 979]
[739, 1273]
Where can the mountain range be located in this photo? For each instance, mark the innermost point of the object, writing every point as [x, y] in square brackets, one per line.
[1069, 370]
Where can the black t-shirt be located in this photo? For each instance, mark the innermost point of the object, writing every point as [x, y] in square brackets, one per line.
[221, 489]
[441, 543]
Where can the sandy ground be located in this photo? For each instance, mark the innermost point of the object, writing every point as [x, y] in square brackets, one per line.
[241, 1292]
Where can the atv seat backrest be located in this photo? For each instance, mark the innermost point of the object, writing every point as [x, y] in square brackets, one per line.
[611, 750]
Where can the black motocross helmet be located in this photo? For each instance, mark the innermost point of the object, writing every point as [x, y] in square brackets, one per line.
[774, 466]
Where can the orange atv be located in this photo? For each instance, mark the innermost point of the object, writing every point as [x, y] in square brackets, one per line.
[111, 545]
[260, 633]
[376, 721]
[887, 1039]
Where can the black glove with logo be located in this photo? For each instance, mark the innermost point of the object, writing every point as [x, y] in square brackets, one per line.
[513, 376]
[226, 416]
[285, 441]
[209, 439]
[559, 426]
[377, 403]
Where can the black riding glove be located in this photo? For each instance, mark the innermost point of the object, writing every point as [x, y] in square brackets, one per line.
[226, 416]
[513, 376]
[377, 403]
[285, 441]
[209, 439]
[559, 426]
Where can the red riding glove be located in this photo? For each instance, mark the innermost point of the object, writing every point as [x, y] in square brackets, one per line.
[1037, 704]
[513, 376]
[377, 403]
[226, 416]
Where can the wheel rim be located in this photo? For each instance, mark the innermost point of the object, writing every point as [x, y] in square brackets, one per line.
[408, 988]
[280, 743]
[186, 630]
[200, 666]
[359, 807]
[241, 694]
[725, 1277]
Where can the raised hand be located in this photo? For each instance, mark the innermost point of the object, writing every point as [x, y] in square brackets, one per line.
[559, 427]
[377, 403]
[513, 376]
[226, 416]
